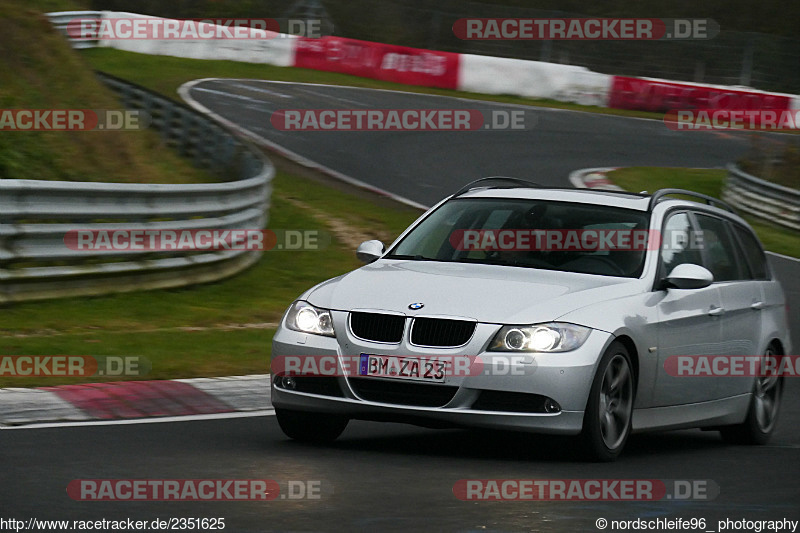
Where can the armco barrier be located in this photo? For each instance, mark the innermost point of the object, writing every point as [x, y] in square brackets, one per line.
[35, 262]
[761, 198]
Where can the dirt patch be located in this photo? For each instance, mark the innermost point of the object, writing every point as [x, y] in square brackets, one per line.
[349, 235]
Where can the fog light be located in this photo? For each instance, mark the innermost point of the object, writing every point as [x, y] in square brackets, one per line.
[289, 383]
[551, 406]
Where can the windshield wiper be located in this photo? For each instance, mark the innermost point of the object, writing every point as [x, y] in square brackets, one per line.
[486, 261]
[411, 257]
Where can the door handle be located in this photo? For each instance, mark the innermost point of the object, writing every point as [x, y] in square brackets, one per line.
[716, 311]
[757, 306]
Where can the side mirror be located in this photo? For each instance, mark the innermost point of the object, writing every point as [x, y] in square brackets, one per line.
[369, 251]
[689, 276]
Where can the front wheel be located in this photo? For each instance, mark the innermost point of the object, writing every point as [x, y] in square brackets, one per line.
[762, 415]
[318, 428]
[609, 411]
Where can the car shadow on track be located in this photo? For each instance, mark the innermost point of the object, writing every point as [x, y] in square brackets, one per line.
[477, 444]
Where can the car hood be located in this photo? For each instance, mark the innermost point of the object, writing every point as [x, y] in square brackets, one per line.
[486, 293]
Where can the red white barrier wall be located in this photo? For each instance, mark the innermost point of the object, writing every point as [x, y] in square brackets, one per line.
[399, 64]
[277, 49]
[650, 94]
[465, 72]
[532, 79]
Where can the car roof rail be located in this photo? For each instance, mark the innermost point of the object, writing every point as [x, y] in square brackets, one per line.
[498, 182]
[710, 200]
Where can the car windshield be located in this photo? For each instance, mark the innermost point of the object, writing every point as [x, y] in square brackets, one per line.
[565, 236]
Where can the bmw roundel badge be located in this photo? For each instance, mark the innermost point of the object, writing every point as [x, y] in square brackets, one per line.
[416, 305]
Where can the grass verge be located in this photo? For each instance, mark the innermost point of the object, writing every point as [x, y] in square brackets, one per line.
[39, 70]
[706, 181]
[222, 328]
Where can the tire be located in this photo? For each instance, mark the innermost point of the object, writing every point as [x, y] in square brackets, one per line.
[317, 428]
[609, 411]
[762, 414]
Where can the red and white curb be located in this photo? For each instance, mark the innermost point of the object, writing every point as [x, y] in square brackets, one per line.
[593, 178]
[131, 400]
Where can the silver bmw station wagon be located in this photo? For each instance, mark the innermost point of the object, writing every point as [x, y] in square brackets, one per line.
[562, 311]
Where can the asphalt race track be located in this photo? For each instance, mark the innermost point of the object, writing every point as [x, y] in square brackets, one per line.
[426, 166]
[381, 477]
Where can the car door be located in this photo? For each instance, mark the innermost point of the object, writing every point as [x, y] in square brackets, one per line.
[688, 319]
[741, 325]
[743, 300]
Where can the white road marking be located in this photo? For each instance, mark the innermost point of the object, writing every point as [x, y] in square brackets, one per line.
[163, 419]
[235, 96]
[259, 90]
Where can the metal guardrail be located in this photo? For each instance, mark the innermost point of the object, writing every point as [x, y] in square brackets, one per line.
[762, 198]
[35, 216]
[60, 19]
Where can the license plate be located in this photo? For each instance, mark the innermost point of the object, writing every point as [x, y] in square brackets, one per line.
[410, 368]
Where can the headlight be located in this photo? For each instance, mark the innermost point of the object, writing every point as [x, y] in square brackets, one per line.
[303, 316]
[552, 337]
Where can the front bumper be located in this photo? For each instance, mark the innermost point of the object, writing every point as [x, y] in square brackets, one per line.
[508, 392]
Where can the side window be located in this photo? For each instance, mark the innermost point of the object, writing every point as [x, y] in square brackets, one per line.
[752, 251]
[720, 250]
[678, 243]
